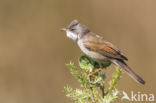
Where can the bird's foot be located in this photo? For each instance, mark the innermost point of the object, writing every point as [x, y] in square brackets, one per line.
[96, 71]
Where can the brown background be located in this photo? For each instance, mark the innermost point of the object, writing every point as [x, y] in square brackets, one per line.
[33, 52]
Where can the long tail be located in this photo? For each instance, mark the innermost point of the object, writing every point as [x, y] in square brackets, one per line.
[130, 72]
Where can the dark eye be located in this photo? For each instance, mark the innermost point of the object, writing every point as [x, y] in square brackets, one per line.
[72, 29]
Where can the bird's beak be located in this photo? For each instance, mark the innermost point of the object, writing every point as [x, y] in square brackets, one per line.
[63, 29]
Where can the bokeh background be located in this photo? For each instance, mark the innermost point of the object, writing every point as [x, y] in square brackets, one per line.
[33, 51]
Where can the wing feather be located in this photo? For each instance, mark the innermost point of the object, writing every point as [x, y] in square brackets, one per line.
[105, 48]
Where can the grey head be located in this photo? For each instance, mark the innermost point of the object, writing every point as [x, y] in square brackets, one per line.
[75, 30]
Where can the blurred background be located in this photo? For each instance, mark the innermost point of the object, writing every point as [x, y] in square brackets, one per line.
[33, 50]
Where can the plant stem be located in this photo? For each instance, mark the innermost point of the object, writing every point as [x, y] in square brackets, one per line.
[103, 91]
[92, 97]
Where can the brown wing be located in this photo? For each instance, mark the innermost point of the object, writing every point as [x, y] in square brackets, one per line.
[98, 44]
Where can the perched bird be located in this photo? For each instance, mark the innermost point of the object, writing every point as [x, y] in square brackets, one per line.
[95, 47]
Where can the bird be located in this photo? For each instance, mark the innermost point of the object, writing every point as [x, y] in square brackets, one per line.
[97, 48]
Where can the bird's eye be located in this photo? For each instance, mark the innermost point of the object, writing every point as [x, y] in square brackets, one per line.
[72, 29]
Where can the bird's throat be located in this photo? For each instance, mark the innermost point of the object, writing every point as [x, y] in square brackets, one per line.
[72, 35]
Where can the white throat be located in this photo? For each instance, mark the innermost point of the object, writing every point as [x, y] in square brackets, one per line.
[72, 35]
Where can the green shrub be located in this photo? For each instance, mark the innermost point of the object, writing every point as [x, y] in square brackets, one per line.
[93, 87]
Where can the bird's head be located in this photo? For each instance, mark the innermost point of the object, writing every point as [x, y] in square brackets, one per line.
[75, 30]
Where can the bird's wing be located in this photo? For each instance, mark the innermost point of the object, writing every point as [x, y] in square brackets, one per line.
[96, 43]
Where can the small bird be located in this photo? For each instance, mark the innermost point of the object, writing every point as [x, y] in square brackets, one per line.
[95, 47]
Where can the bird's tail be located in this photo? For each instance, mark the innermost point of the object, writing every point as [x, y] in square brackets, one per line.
[130, 72]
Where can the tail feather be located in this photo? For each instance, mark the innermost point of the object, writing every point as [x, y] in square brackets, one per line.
[130, 72]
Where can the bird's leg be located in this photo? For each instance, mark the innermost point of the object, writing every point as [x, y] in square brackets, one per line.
[96, 71]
